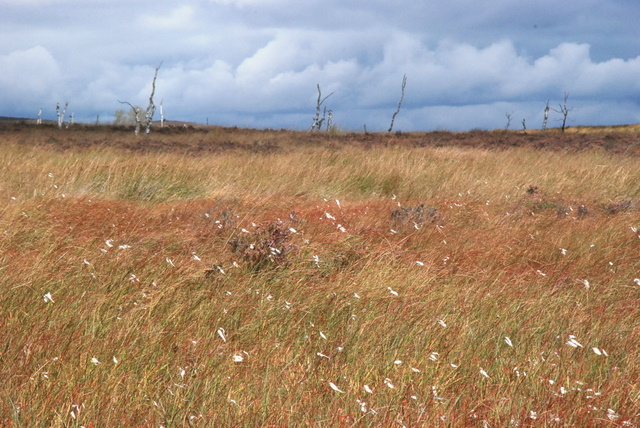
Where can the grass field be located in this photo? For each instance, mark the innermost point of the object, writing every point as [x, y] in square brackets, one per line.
[224, 277]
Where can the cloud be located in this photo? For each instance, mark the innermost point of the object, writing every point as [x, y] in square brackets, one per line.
[244, 3]
[178, 18]
[29, 76]
[258, 61]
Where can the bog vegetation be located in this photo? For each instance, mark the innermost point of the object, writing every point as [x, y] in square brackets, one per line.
[225, 277]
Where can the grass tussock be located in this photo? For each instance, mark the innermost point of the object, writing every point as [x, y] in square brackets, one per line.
[319, 285]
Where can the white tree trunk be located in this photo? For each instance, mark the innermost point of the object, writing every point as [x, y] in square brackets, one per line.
[161, 115]
[151, 109]
[61, 114]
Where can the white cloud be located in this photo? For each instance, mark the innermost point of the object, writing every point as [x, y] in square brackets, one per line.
[243, 3]
[178, 18]
[28, 76]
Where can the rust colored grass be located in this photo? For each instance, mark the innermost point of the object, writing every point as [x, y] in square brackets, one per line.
[317, 280]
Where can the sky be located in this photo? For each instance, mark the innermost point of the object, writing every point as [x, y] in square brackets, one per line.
[258, 63]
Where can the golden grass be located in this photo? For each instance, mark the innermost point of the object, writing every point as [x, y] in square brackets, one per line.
[277, 288]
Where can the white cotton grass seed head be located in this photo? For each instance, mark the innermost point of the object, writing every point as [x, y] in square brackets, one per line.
[368, 389]
[335, 388]
[599, 351]
[48, 298]
[612, 415]
[573, 342]
[508, 341]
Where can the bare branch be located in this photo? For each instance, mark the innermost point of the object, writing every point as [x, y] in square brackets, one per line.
[136, 113]
[393, 118]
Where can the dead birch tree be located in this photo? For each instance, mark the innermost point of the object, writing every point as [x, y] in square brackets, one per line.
[564, 111]
[330, 120]
[393, 118]
[61, 114]
[317, 122]
[546, 116]
[136, 115]
[151, 108]
[508, 120]
[39, 121]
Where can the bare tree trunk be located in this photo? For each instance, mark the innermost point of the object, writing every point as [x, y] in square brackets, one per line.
[39, 121]
[393, 118]
[546, 116]
[151, 109]
[148, 117]
[564, 111]
[161, 115]
[317, 122]
[330, 120]
[61, 114]
[508, 120]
